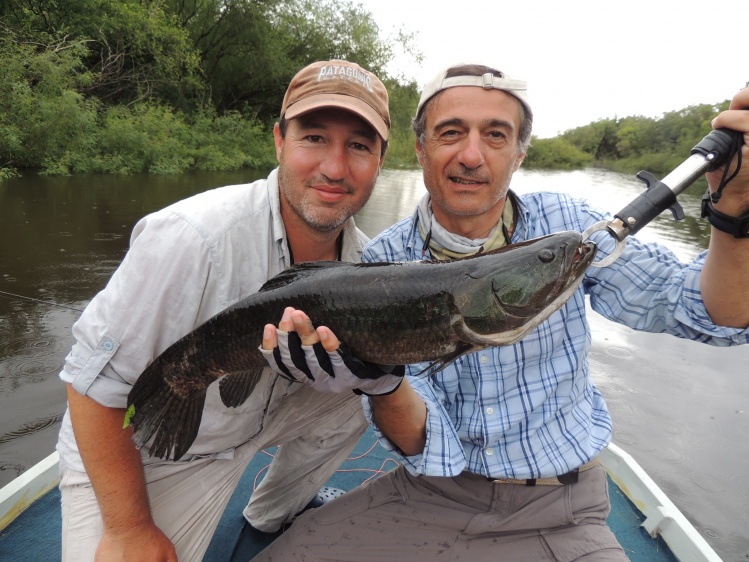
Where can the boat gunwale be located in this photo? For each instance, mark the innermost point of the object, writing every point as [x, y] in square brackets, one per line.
[20, 493]
[662, 517]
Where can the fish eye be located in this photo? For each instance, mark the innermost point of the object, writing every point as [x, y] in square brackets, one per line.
[546, 256]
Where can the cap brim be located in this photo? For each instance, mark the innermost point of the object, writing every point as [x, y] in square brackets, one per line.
[348, 103]
[516, 88]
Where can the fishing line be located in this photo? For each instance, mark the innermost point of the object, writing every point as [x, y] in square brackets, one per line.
[13, 295]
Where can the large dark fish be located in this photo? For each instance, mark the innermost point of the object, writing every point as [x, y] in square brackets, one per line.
[387, 313]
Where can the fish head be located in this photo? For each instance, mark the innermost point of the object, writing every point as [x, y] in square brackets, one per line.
[513, 290]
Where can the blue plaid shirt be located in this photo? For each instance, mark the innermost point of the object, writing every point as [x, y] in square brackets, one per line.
[531, 410]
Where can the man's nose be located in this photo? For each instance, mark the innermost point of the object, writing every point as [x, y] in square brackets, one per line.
[470, 154]
[335, 162]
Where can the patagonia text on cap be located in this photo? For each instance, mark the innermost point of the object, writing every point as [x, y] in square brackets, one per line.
[342, 84]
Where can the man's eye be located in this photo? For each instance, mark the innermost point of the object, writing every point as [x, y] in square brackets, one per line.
[314, 138]
[359, 146]
[496, 134]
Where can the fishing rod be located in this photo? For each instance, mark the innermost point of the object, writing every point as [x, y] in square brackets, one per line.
[713, 151]
[50, 303]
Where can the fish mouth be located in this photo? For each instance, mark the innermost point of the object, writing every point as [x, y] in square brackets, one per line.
[585, 253]
[578, 262]
[582, 257]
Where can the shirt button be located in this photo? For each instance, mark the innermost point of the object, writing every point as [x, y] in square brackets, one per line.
[489, 452]
[108, 345]
[484, 359]
[490, 410]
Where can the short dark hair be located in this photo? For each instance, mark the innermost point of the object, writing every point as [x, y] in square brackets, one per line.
[283, 125]
[418, 124]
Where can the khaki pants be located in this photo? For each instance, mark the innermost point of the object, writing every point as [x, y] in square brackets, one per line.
[399, 517]
[315, 431]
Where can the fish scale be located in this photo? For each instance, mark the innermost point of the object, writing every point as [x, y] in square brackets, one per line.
[386, 313]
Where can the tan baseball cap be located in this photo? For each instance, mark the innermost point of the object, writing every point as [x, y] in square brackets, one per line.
[339, 83]
[457, 75]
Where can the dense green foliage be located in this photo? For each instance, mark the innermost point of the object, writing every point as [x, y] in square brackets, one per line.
[166, 86]
[557, 154]
[629, 144]
[170, 85]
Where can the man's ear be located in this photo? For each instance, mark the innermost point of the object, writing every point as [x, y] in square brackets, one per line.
[278, 140]
[382, 157]
[419, 152]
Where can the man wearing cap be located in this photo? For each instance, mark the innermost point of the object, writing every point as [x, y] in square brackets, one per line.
[500, 448]
[185, 264]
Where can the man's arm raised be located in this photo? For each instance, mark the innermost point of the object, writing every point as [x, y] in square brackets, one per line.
[725, 276]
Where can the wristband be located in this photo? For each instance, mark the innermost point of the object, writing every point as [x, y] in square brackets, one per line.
[738, 227]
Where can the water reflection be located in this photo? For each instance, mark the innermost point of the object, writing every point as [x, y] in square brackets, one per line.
[394, 198]
[611, 192]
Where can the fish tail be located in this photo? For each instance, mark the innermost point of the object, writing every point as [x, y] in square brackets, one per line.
[171, 419]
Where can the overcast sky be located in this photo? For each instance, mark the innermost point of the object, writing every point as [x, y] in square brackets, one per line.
[584, 60]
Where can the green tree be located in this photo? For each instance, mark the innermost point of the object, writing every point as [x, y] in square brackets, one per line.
[403, 100]
[635, 136]
[135, 50]
[241, 52]
[636, 143]
[43, 116]
[168, 85]
[556, 154]
[597, 139]
[249, 50]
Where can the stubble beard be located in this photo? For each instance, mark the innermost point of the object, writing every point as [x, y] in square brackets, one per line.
[320, 219]
[468, 205]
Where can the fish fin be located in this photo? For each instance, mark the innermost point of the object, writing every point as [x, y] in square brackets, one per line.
[381, 264]
[177, 432]
[235, 387]
[156, 410]
[299, 271]
[438, 364]
[304, 269]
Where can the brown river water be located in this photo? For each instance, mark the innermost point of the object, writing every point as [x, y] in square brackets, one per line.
[681, 409]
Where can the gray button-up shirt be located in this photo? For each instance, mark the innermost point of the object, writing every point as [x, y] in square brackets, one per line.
[186, 263]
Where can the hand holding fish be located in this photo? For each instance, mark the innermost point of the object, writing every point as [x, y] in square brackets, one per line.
[315, 357]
